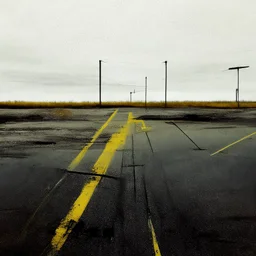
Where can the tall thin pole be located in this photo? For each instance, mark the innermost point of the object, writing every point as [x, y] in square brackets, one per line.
[238, 87]
[146, 88]
[238, 81]
[165, 102]
[100, 83]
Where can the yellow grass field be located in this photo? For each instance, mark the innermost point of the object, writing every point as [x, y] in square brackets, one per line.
[171, 104]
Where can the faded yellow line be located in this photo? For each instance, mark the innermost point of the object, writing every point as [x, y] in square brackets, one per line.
[144, 128]
[154, 240]
[230, 145]
[67, 224]
[82, 153]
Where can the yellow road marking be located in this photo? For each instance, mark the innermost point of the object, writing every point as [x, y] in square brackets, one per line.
[144, 128]
[233, 143]
[155, 243]
[82, 153]
[67, 224]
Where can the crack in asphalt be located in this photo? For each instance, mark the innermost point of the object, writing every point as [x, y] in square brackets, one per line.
[185, 135]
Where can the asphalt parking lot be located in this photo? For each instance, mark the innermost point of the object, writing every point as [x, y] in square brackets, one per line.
[128, 182]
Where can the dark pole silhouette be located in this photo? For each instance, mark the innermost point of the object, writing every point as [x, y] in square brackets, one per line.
[238, 86]
[100, 82]
[146, 87]
[131, 95]
[165, 101]
[238, 78]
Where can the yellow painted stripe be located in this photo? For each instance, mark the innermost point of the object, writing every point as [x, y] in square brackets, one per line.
[61, 234]
[230, 145]
[154, 240]
[82, 153]
[144, 128]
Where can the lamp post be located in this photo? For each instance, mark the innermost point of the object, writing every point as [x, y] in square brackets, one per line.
[100, 82]
[146, 91]
[165, 97]
[238, 82]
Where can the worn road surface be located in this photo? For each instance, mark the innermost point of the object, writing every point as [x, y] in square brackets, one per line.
[128, 182]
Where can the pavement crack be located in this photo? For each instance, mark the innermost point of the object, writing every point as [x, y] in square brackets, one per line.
[198, 148]
[146, 195]
[70, 225]
[94, 174]
[133, 168]
[118, 220]
[40, 206]
[150, 144]
[134, 165]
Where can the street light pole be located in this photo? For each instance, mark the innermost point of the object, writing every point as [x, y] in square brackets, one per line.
[238, 80]
[146, 88]
[165, 101]
[100, 82]
[238, 86]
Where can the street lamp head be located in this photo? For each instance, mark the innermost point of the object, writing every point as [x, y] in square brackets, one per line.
[240, 67]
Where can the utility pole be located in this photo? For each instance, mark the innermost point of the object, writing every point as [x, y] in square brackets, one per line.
[146, 88]
[100, 82]
[131, 95]
[238, 87]
[238, 78]
[165, 101]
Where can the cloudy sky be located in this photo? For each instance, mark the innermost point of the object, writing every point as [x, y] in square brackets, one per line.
[50, 49]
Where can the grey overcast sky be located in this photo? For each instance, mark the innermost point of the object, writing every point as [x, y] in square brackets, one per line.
[49, 49]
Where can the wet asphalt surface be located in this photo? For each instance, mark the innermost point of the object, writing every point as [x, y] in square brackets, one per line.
[199, 204]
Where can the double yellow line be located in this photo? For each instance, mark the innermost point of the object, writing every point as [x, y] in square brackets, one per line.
[82, 153]
[100, 167]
